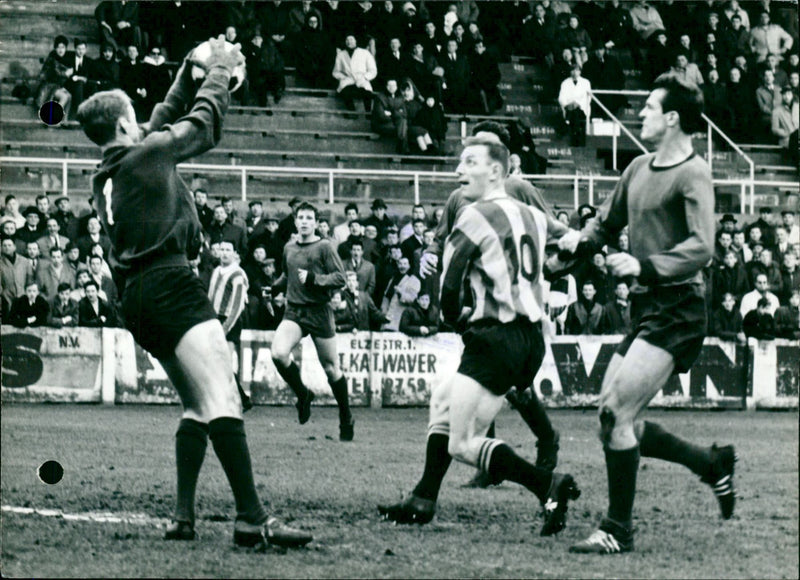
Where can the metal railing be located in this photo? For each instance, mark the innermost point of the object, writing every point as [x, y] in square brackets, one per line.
[617, 123]
[711, 128]
[416, 177]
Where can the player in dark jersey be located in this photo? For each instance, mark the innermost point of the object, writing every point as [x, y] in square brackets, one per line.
[152, 222]
[667, 201]
[498, 244]
[524, 401]
[311, 271]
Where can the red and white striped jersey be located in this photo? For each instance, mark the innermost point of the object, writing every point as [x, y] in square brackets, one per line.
[227, 292]
[498, 245]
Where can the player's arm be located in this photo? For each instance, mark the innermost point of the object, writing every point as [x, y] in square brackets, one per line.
[334, 271]
[459, 251]
[432, 254]
[690, 255]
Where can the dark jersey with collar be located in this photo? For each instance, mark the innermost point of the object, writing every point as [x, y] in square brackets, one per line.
[145, 206]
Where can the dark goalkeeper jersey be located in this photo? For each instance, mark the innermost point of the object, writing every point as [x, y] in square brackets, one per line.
[145, 206]
[325, 272]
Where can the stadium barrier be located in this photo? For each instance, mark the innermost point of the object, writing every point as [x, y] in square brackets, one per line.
[85, 365]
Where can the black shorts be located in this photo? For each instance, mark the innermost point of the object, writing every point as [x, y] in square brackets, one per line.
[672, 318]
[314, 319]
[502, 355]
[161, 305]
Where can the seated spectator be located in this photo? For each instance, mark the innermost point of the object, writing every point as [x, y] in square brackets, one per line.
[103, 279]
[790, 277]
[30, 309]
[741, 102]
[484, 68]
[768, 38]
[560, 294]
[686, 48]
[428, 127]
[575, 35]
[732, 11]
[604, 72]
[762, 290]
[158, 79]
[119, 24]
[768, 98]
[726, 320]
[575, 101]
[736, 37]
[585, 315]
[684, 70]
[63, 309]
[81, 66]
[401, 291]
[425, 72]
[133, 80]
[93, 311]
[364, 269]
[52, 274]
[361, 309]
[617, 312]
[772, 62]
[456, 96]
[728, 278]
[645, 20]
[72, 259]
[314, 52]
[715, 96]
[617, 29]
[660, 55]
[421, 318]
[53, 77]
[265, 69]
[392, 63]
[793, 230]
[759, 323]
[787, 318]
[354, 69]
[785, 121]
[538, 38]
[389, 117]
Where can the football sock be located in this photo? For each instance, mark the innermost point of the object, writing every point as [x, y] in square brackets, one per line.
[501, 463]
[437, 461]
[191, 441]
[230, 444]
[661, 444]
[535, 416]
[621, 468]
[339, 388]
[490, 432]
[291, 375]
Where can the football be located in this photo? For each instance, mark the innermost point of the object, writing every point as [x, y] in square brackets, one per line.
[203, 52]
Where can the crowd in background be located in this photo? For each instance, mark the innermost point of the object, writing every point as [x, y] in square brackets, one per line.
[411, 62]
[53, 270]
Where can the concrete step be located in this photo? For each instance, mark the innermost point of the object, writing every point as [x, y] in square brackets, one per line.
[51, 8]
[47, 27]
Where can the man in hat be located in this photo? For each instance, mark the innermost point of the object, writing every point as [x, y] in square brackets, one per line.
[764, 224]
[32, 229]
[379, 219]
[67, 222]
[728, 223]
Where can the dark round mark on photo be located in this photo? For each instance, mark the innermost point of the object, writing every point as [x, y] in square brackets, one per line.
[51, 113]
[51, 472]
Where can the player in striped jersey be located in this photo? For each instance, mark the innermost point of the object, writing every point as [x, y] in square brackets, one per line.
[227, 292]
[666, 199]
[498, 244]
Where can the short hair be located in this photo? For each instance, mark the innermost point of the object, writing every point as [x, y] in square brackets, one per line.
[351, 222]
[305, 206]
[417, 221]
[54, 249]
[762, 303]
[78, 41]
[63, 286]
[90, 282]
[493, 127]
[496, 149]
[350, 206]
[684, 98]
[93, 256]
[357, 243]
[42, 196]
[588, 281]
[60, 39]
[256, 202]
[99, 114]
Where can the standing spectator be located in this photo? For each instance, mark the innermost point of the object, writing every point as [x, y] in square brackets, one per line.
[104, 72]
[72, 259]
[221, 229]
[759, 323]
[54, 75]
[766, 231]
[52, 274]
[484, 68]
[34, 254]
[428, 126]
[768, 98]
[785, 121]
[764, 264]
[715, 96]
[392, 63]
[379, 219]
[743, 252]
[417, 213]
[387, 26]
[728, 278]
[732, 11]
[63, 309]
[790, 278]
[684, 70]
[119, 24]
[415, 241]
[343, 316]
[617, 312]
[16, 273]
[204, 213]
[456, 79]
[29, 309]
[314, 52]
[93, 236]
[604, 72]
[11, 210]
[781, 246]
[762, 290]
[421, 318]
[9, 230]
[67, 222]
[788, 218]
[364, 269]
[389, 116]
[363, 312]
[52, 237]
[585, 315]
[255, 224]
[81, 66]
[356, 235]
[265, 67]
[342, 231]
[401, 292]
[157, 79]
[741, 103]
[93, 311]
[575, 101]
[726, 320]
[133, 81]
[787, 318]
[538, 38]
[385, 271]
[645, 19]
[354, 69]
[424, 72]
[103, 280]
[233, 214]
[768, 38]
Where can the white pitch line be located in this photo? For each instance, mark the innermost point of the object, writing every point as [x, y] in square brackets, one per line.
[97, 517]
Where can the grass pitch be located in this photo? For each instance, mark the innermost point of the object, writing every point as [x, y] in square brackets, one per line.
[121, 460]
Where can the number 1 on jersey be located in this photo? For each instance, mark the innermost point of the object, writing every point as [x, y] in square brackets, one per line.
[107, 188]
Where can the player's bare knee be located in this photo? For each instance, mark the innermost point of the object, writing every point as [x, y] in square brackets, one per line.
[457, 448]
[281, 357]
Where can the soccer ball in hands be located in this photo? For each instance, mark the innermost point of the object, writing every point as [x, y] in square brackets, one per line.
[202, 53]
